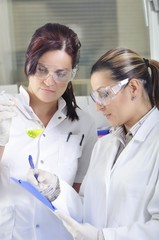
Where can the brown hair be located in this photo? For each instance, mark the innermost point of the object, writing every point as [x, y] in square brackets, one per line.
[55, 36]
[124, 63]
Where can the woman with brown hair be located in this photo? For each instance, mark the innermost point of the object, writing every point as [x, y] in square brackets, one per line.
[49, 127]
[120, 192]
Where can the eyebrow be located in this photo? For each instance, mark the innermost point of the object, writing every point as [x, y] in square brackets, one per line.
[101, 88]
[58, 68]
[41, 64]
[109, 86]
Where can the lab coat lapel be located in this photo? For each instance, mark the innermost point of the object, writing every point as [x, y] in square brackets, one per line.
[147, 126]
[140, 136]
[114, 147]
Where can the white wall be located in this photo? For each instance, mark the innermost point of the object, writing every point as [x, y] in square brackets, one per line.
[132, 29]
[153, 24]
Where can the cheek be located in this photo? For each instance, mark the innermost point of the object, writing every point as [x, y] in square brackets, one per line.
[116, 115]
[119, 111]
[123, 100]
[33, 83]
[61, 88]
[32, 86]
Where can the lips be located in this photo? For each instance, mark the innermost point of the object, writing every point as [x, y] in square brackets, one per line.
[107, 115]
[48, 90]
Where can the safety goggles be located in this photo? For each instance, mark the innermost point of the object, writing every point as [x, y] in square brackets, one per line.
[59, 75]
[104, 96]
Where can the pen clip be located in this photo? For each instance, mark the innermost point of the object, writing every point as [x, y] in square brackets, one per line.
[68, 137]
[81, 140]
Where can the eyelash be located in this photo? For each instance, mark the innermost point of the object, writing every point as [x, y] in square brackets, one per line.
[42, 69]
[104, 94]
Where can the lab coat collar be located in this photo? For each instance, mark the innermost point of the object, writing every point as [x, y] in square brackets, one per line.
[25, 99]
[62, 105]
[119, 133]
[141, 135]
[147, 126]
[24, 105]
[59, 115]
[24, 95]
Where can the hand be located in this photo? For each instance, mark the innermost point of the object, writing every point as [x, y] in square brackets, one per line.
[47, 183]
[7, 112]
[80, 231]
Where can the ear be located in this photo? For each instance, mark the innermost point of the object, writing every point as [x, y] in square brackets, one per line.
[135, 87]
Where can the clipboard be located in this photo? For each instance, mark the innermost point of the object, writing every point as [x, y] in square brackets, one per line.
[30, 188]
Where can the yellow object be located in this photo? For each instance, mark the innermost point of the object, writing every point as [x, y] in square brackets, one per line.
[34, 133]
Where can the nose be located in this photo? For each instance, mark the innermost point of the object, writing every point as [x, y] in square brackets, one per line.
[100, 107]
[49, 81]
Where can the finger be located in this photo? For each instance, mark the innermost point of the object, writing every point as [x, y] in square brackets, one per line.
[31, 177]
[69, 223]
[7, 114]
[7, 108]
[45, 177]
[7, 102]
[41, 178]
[68, 220]
[40, 174]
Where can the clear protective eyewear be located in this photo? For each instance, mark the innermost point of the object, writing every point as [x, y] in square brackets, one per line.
[59, 75]
[103, 96]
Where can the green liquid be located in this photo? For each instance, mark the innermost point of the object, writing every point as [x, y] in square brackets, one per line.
[34, 133]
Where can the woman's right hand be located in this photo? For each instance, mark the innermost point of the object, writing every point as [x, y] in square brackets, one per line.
[47, 183]
[7, 112]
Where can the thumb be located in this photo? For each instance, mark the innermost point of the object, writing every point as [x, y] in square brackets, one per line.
[70, 224]
[44, 176]
[31, 177]
[67, 220]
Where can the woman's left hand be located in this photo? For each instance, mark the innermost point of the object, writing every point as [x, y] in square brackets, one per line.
[79, 231]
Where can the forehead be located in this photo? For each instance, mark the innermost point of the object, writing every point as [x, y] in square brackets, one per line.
[56, 58]
[101, 78]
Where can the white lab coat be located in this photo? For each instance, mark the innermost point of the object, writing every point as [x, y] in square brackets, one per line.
[123, 199]
[21, 215]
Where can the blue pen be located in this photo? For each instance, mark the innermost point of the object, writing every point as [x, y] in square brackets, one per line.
[30, 159]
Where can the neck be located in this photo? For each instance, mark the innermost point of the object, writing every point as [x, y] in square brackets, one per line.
[141, 112]
[44, 111]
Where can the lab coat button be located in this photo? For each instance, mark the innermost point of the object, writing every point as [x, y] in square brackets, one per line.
[37, 225]
[44, 135]
[41, 161]
[59, 117]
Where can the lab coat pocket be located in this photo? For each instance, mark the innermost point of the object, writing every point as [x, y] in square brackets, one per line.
[6, 222]
[130, 204]
[70, 150]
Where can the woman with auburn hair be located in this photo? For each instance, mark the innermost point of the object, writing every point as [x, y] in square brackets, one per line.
[48, 129]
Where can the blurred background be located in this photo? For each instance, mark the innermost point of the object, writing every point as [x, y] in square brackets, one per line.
[100, 25]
